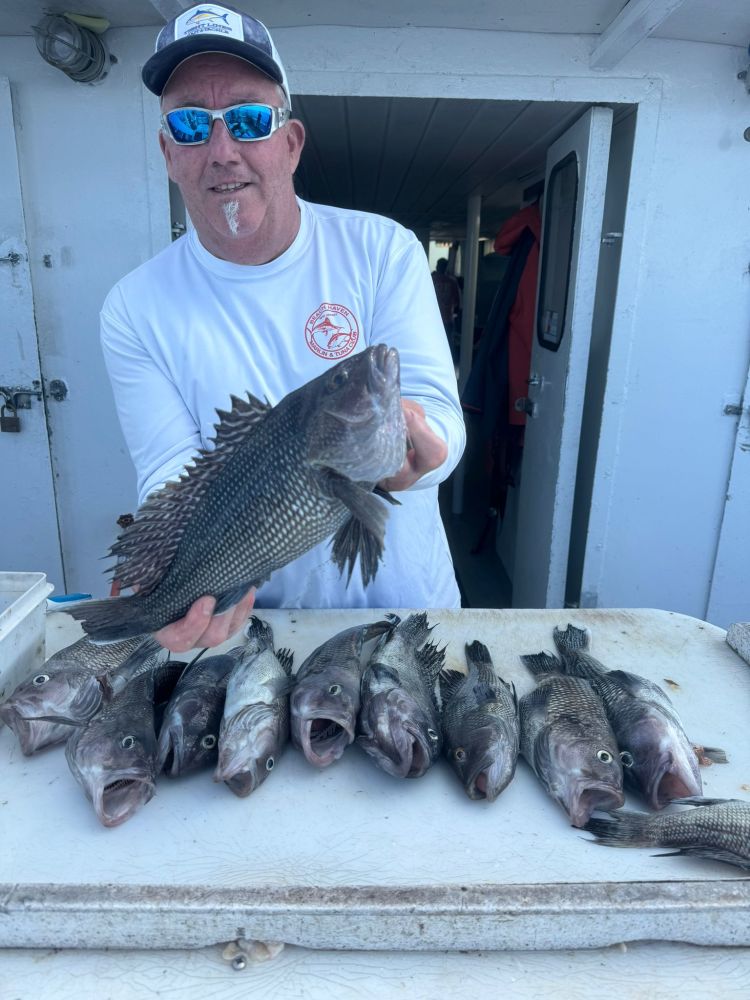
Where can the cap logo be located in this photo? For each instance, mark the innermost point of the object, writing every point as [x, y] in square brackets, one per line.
[332, 331]
[216, 21]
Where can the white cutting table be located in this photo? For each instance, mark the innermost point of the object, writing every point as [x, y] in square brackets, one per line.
[380, 876]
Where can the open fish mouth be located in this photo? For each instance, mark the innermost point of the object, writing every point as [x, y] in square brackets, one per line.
[324, 739]
[670, 780]
[32, 734]
[121, 796]
[410, 755]
[170, 754]
[585, 799]
[490, 778]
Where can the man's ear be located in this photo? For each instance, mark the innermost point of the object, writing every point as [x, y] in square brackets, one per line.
[295, 137]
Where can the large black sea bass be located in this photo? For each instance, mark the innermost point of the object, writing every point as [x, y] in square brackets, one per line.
[280, 480]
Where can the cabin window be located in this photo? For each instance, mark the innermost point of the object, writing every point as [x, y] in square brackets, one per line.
[559, 224]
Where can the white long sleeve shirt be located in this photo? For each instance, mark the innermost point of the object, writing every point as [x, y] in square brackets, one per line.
[184, 331]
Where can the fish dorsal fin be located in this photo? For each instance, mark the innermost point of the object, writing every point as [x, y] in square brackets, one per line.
[286, 659]
[145, 550]
[450, 683]
[430, 660]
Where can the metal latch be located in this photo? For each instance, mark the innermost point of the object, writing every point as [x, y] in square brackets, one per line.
[11, 258]
[525, 405]
[609, 238]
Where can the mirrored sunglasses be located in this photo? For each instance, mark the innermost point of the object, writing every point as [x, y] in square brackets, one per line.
[244, 122]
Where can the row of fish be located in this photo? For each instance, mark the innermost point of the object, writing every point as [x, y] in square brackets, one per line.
[584, 730]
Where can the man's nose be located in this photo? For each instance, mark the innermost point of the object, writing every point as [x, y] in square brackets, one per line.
[222, 147]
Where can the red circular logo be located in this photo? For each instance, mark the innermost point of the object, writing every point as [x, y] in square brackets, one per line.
[332, 332]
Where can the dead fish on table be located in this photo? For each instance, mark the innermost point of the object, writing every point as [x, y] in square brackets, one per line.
[717, 829]
[660, 759]
[255, 726]
[113, 756]
[567, 740]
[326, 696]
[481, 728]
[279, 480]
[70, 688]
[399, 718]
[189, 733]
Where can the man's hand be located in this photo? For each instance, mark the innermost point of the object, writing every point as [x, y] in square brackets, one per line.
[425, 452]
[201, 628]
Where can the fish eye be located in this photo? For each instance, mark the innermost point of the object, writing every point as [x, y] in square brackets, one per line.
[433, 735]
[334, 689]
[604, 756]
[339, 378]
[40, 679]
[626, 759]
[459, 754]
[269, 764]
[208, 742]
[127, 742]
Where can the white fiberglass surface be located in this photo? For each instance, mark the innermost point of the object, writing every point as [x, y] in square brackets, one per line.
[352, 824]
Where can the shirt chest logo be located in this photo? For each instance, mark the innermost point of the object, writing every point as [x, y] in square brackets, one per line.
[332, 331]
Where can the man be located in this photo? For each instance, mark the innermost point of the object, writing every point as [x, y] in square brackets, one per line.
[266, 293]
[448, 295]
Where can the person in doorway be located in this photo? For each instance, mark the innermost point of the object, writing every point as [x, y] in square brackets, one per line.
[448, 295]
[246, 302]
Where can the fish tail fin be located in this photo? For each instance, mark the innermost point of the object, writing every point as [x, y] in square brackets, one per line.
[571, 640]
[542, 663]
[111, 619]
[259, 635]
[623, 829]
[379, 628]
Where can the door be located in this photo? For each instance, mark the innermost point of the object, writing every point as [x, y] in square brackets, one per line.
[729, 597]
[29, 537]
[575, 184]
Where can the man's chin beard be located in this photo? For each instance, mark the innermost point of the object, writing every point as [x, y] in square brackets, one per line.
[231, 213]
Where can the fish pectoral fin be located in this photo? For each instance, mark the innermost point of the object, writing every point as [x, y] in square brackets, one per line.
[389, 497]
[363, 533]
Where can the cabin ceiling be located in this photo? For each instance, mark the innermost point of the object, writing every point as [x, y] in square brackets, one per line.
[417, 160]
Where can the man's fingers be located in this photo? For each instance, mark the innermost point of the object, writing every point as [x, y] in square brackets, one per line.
[183, 635]
[201, 628]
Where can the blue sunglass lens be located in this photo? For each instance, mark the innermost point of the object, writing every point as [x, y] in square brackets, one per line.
[189, 125]
[245, 122]
[249, 121]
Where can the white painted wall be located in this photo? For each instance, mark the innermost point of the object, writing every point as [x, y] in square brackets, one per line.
[96, 202]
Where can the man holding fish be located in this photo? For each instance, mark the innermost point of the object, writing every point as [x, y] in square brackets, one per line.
[266, 294]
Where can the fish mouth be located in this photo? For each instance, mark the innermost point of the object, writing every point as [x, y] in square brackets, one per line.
[670, 779]
[585, 799]
[490, 778]
[169, 758]
[242, 783]
[121, 796]
[324, 738]
[32, 734]
[405, 755]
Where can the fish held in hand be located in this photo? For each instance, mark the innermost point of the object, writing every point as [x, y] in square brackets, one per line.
[70, 688]
[716, 829]
[113, 756]
[189, 733]
[661, 760]
[568, 742]
[255, 725]
[481, 728]
[326, 698]
[280, 480]
[399, 719]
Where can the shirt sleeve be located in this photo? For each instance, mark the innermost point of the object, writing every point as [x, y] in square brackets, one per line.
[406, 316]
[160, 432]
